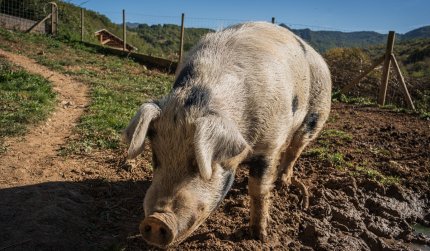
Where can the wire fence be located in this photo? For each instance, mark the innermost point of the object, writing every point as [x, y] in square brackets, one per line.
[23, 14]
[153, 35]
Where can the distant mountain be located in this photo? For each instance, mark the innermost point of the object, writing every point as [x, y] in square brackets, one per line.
[423, 32]
[131, 25]
[325, 40]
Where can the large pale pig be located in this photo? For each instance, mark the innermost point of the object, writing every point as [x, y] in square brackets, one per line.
[252, 95]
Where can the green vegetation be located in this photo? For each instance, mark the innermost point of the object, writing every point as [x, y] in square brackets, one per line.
[118, 85]
[334, 159]
[338, 136]
[327, 151]
[327, 141]
[376, 175]
[414, 59]
[25, 99]
[164, 39]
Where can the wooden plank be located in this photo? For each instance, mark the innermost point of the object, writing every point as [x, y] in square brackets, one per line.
[82, 24]
[54, 18]
[349, 86]
[181, 41]
[386, 69]
[38, 23]
[105, 41]
[150, 61]
[405, 91]
[124, 34]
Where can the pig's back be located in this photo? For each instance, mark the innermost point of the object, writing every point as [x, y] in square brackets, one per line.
[261, 76]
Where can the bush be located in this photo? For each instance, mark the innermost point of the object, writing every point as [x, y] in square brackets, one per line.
[346, 64]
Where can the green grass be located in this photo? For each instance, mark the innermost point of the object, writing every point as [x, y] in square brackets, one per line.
[25, 99]
[334, 159]
[118, 86]
[376, 175]
[337, 160]
[330, 137]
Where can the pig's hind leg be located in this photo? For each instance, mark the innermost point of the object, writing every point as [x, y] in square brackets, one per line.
[307, 132]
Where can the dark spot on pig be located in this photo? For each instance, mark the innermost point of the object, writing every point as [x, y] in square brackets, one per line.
[198, 96]
[257, 166]
[311, 122]
[227, 183]
[186, 73]
[295, 104]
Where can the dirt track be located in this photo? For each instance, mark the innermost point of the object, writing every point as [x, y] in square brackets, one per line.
[29, 160]
[49, 202]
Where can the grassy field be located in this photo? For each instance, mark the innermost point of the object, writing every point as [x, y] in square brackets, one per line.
[25, 99]
[118, 85]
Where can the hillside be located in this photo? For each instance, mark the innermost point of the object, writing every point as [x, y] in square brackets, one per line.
[423, 32]
[325, 40]
[414, 56]
[163, 39]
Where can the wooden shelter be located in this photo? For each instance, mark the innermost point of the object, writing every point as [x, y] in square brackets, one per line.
[107, 38]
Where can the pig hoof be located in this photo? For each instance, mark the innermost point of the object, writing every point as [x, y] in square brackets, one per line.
[258, 233]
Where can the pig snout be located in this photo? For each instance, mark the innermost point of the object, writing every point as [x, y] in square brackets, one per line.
[159, 229]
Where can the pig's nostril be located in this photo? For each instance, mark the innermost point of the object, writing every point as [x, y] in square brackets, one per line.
[163, 232]
[147, 229]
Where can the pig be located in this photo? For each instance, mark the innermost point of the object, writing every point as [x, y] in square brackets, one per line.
[252, 95]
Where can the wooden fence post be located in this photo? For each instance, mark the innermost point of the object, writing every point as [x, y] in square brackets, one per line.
[54, 18]
[386, 68]
[124, 33]
[82, 24]
[405, 91]
[181, 41]
[273, 20]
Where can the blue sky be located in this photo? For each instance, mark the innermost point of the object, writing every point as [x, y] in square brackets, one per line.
[369, 15]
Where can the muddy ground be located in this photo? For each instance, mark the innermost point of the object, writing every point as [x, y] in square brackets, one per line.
[97, 201]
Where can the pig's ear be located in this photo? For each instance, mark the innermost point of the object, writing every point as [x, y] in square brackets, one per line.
[216, 139]
[135, 132]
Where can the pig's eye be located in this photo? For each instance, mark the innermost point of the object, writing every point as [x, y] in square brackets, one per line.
[155, 163]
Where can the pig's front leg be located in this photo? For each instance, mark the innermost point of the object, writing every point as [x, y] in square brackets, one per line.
[262, 175]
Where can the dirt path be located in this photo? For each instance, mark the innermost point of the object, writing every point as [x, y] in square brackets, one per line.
[28, 160]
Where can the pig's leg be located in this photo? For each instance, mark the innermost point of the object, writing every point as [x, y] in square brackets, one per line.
[308, 131]
[262, 175]
[291, 155]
